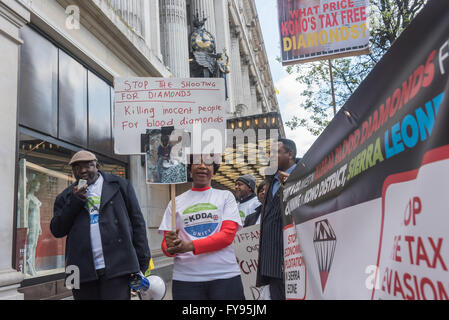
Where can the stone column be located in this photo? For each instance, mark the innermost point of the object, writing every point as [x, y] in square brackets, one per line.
[260, 103]
[254, 97]
[152, 29]
[174, 36]
[131, 11]
[246, 84]
[259, 106]
[13, 16]
[205, 9]
[223, 42]
[236, 67]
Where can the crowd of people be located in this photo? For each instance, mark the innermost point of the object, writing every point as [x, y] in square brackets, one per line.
[107, 239]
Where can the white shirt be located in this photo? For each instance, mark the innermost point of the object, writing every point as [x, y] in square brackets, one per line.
[200, 214]
[93, 203]
[248, 207]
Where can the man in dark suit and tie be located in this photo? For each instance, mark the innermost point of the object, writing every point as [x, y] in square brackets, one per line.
[271, 242]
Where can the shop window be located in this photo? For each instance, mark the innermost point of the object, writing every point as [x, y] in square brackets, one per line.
[43, 174]
[65, 100]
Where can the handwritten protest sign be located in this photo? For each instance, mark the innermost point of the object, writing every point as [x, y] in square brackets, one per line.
[246, 247]
[322, 29]
[151, 103]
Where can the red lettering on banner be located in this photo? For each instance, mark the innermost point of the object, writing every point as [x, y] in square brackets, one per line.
[429, 70]
[411, 296]
[411, 210]
[347, 147]
[437, 253]
[421, 254]
[292, 238]
[416, 287]
[418, 251]
[325, 166]
[386, 280]
[397, 286]
[396, 249]
[422, 76]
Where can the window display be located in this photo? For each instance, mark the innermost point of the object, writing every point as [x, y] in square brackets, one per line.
[43, 174]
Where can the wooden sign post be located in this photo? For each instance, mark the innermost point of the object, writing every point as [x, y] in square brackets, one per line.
[173, 206]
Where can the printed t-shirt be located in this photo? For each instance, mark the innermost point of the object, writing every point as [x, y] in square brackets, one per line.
[93, 203]
[200, 214]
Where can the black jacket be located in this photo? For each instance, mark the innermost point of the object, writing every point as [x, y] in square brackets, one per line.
[251, 219]
[271, 243]
[122, 228]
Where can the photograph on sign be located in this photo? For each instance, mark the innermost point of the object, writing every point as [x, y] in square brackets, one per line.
[313, 30]
[165, 158]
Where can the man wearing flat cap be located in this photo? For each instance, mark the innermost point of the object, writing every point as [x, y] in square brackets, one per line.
[245, 191]
[105, 229]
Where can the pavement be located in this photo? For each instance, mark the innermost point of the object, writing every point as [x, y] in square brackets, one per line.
[168, 295]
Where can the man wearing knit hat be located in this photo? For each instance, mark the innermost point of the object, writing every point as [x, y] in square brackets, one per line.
[245, 187]
[105, 229]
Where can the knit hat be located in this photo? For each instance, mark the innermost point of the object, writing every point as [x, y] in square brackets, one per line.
[249, 180]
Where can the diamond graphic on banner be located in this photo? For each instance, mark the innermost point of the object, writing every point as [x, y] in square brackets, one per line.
[324, 241]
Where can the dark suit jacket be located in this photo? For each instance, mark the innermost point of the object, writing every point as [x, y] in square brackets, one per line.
[271, 244]
[122, 228]
[251, 219]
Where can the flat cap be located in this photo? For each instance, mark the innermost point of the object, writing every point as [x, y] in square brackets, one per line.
[249, 180]
[82, 156]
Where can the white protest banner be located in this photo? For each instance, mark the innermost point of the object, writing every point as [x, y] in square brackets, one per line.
[246, 247]
[197, 105]
[365, 215]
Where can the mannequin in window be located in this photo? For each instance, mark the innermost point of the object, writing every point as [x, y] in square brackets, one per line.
[33, 206]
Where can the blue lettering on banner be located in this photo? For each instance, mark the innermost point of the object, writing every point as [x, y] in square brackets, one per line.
[413, 127]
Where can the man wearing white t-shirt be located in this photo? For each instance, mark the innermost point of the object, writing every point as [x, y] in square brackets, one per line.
[207, 219]
[254, 218]
[245, 187]
[105, 229]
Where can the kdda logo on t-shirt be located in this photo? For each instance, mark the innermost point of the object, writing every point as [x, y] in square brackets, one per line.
[93, 203]
[200, 220]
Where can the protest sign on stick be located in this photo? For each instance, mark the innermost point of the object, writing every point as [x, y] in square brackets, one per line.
[152, 103]
[145, 106]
